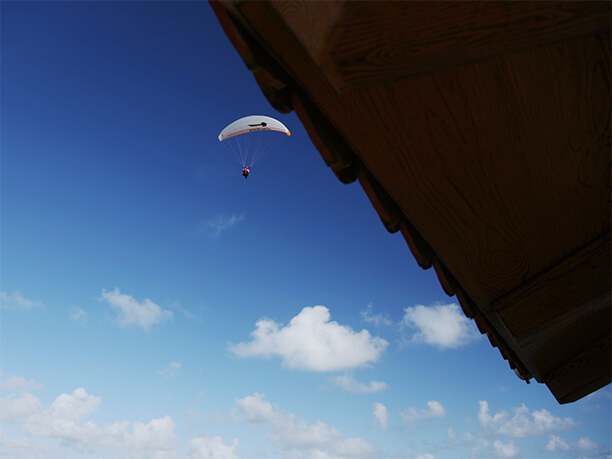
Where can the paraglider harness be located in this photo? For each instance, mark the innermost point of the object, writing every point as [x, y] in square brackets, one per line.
[245, 172]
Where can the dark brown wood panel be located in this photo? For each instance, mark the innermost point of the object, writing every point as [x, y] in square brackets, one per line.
[489, 161]
[582, 374]
[284, 45]
[495, 172]
[312, 21]
[538, 122]
[558, 345]
[575, 286]
[381, 42]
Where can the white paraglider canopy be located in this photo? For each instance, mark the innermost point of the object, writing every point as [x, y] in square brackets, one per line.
[251, 124]
[260, 137]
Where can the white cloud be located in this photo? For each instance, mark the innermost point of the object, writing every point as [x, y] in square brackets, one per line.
[295, 436]
[434, 410]
[78, 316]
[132, 312]
[158, 436]
[480, 448]
[556, 443]
[81, 436]
[425, 456]
[16, 407]
[18, 383]
[376, 319]
[171, 370]
[349, 384]
[522, 423]
[311, 342]
[16, 301]
[67, 420]
[442, 325]
[381, 416]
[220, 223]
[505, 449]
[25, 448]
[254, 409]
[204, 447]
[75, 406]
[585, 443]
[64, 421]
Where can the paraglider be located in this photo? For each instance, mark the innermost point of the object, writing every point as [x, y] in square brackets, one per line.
[249, 138]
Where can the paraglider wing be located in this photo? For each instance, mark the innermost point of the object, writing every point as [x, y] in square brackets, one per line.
[250, 124]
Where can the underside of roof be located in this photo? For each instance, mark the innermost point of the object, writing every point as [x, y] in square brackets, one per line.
[481, 132]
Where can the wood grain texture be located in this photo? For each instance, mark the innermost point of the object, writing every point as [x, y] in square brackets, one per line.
[270, 77]
[381, 42]
[567, 290]
[312, 21]
[560, 344]
[593, 367]
[501, 166]
[489, 162]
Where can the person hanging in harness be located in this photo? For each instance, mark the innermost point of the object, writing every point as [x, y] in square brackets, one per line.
[245, 172]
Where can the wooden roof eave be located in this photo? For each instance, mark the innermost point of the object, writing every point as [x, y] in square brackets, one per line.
[285, 94]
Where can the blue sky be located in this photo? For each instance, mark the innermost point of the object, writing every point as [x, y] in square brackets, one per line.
[156, 304]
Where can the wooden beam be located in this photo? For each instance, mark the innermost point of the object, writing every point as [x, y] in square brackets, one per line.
[381, 42]
[556, 346]
[582, 374]
[312, 21]
[574, 286]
